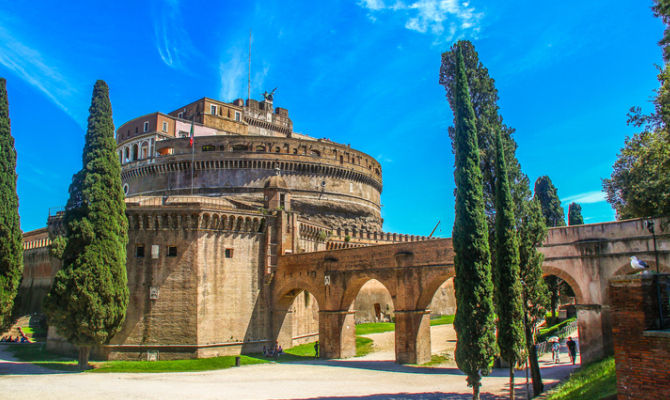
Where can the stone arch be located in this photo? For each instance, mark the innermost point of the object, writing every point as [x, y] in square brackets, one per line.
[353, 287]
[135, 152]
[574, 284]
[431, 286]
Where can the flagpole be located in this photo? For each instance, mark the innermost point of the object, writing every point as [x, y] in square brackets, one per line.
[192, 154]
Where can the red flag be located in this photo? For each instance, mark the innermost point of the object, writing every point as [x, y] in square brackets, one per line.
[190, 140]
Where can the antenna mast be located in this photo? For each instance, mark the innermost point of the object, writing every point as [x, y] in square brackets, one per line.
[249, 80]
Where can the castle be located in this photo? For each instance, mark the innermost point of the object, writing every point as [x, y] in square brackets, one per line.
[215, 193]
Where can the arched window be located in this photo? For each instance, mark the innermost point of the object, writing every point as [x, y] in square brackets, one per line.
[135, 152]
[145, 150]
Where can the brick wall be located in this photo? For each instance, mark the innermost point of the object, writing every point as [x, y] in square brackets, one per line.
[641, 351]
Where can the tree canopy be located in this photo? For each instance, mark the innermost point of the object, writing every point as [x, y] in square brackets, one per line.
[640, 182]
[575, 214]
[508, 287]
[89, 296]
[11, 237]
[547, 195]
[474, 321]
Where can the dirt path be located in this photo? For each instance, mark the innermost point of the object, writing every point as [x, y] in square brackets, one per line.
[442, 341]
[358, 378]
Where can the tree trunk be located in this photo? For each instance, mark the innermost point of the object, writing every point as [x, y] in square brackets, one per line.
[511, 380]
[538, 387]
[475, 392]
[84, 352]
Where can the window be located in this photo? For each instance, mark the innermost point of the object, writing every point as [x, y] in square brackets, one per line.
[139, 251]
[172, 251]
[165, 127]
[146, 126]
[238, 116]
[212, 109]
[208, 147]
[183, 134]
[180, 115]
[137, 129]
[229, 253]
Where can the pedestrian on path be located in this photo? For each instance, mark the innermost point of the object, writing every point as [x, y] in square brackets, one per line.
[572, 349]
[316, 349]
[555, 352]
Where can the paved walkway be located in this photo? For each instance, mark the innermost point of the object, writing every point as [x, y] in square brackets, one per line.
[362, 379]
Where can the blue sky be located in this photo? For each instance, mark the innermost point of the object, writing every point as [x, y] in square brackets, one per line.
[357, 72]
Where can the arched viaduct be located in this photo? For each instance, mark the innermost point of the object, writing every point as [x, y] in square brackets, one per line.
[585, 256]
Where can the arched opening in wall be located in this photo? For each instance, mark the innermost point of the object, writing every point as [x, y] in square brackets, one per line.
[375, 321]
[442, 333]
[562, 299]
[296, 324]
[135, 152]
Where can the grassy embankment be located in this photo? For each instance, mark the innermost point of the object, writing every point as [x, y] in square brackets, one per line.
[378, 327]
[550, 331]
[35, 354]
[593, 381]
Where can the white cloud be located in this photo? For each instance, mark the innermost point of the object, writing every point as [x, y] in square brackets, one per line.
[431, 16]
[40, 72]
[233, 75]
[172, 41]
[595, 196]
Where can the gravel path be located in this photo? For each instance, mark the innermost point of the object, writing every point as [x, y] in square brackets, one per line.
[365, 378]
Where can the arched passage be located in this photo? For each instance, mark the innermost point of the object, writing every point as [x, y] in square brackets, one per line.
[295, 317]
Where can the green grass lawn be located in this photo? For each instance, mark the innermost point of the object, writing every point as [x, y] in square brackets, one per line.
[35, 354]
[378, 327]
[202, 364]
[594, 381]
[304, 351]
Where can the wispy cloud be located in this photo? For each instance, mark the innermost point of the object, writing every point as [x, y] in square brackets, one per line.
[39, 71]
[595, 196]
[233, 75]
[444, 18]
[172, 41]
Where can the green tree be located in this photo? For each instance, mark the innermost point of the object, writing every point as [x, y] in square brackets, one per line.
[547, 195]
[661, 9]
[484, 98]
[640, 181]
[532, 233]
[509, 304]
[575, 214]
[474, 321]
[88, 300]
[11, 237]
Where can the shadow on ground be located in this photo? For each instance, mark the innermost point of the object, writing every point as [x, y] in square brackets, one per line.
[412, 396]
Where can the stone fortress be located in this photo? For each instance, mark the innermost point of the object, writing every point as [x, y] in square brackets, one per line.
[215, 193]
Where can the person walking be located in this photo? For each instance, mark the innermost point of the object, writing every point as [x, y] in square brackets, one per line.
[316, 349]
[572, 349]
[555, 350]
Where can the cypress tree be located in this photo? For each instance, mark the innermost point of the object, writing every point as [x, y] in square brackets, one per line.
[547, 195]
[575, 214]
[508, 287]
[88, 300]
[11, 237]
[474, 321]
[532, 232]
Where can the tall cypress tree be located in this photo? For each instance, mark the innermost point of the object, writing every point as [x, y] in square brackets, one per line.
[575, 214]
[88, 300]
[474, 321]
[484, 98]
[11, 238]
[547, 195]
[532, 232]
[508, 287]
